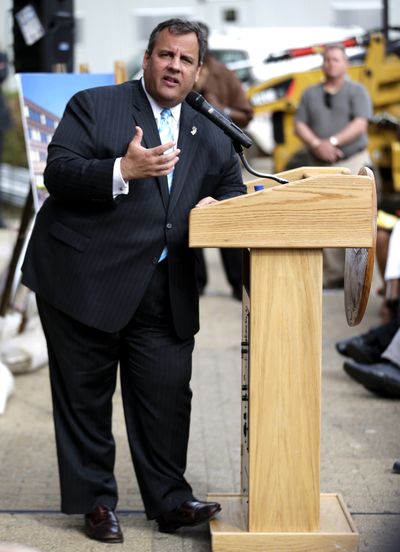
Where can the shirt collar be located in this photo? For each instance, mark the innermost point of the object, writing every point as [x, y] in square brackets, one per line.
[176, 111]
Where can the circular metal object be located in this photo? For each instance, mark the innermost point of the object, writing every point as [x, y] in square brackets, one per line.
[359, 267]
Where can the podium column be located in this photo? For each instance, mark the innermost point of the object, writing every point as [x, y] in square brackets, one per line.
[285, 390]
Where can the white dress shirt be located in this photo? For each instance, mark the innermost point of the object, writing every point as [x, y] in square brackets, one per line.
[120, 186]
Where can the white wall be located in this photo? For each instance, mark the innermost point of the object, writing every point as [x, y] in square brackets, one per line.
[106, 35]
[108, 29]
[117, 31]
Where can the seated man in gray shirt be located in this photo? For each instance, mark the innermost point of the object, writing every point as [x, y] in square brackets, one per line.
[332, 121]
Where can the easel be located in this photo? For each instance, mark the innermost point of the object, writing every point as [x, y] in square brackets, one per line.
[28, 209]
[284, 228]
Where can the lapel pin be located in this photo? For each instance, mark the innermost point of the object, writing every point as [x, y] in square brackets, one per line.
[193, 131]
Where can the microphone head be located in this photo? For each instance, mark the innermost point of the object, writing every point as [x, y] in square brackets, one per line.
[194, 99]
[199, 103]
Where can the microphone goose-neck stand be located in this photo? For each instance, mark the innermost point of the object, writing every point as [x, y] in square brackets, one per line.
[239, 150]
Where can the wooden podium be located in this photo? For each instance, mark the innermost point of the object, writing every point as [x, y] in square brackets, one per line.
[283, 230]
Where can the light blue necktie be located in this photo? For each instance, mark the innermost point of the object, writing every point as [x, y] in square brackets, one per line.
[166, 135]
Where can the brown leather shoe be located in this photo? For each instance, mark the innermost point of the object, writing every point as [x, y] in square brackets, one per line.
[188, 514]
[102, 524]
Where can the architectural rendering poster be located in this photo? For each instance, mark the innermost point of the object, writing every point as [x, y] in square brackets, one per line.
[43, 97]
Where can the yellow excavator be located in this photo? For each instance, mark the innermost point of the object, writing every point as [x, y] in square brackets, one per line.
[378, 71]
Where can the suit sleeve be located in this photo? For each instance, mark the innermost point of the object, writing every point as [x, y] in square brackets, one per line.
[231, 181]
[74, 171]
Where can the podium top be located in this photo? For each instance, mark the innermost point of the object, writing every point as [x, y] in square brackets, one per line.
[327, 210]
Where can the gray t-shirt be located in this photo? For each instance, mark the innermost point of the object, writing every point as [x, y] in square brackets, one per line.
[326, 114]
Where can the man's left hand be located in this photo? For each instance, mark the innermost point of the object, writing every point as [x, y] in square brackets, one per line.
[206, 201]
[327, 152]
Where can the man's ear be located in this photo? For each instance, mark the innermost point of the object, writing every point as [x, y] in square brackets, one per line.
[145, 59]
[198, 71]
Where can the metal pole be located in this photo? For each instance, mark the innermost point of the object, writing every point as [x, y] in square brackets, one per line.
[385, 22]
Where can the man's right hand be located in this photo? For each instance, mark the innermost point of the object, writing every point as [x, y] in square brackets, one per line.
[140, 162]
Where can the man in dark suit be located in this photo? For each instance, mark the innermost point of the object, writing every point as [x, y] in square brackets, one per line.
[116, 283]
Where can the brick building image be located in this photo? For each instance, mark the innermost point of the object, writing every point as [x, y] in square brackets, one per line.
[40, 125]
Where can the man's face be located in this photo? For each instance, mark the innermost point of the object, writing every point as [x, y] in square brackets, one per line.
[172, 68]
[335, 63]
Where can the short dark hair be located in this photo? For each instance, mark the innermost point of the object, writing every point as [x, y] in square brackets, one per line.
[205, 29]
[335, 46]
[179, 27]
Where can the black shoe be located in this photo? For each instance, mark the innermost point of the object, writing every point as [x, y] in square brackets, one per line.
[188, 514]
[396, 467]
[361, 349]
[382, 378]
[102, 524]
[367, 348]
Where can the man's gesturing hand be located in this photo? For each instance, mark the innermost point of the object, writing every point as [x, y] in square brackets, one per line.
[140, 162]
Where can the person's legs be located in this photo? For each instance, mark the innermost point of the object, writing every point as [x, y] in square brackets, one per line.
[201, 271]
[83, 363]
[333, 271]
[392, 352]
[155, 381]
[334, 259]
[232, 259]
[382, 377]
[368, 347]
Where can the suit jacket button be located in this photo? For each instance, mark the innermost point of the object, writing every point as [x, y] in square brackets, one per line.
[169, 225]
[154, 260]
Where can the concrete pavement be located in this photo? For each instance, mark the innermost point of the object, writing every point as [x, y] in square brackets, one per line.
[360, 441]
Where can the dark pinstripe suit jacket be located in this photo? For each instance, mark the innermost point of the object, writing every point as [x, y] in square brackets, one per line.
[92, 256]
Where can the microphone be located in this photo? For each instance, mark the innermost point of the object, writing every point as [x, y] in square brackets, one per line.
[196, 100]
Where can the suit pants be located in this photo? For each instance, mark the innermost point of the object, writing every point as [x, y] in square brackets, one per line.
[232, 260]
[155, 372]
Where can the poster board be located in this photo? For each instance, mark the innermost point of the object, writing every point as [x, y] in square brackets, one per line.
[43, 97]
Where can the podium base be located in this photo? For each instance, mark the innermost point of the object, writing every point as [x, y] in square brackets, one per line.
[229, 530]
